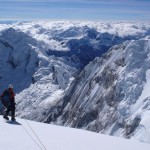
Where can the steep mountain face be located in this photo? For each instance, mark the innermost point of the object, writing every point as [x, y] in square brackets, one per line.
[18, 60]
[41, 61]
[35, 75]
[111, 94]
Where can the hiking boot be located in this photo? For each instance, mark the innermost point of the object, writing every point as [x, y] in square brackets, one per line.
[13, 119]
[5, 117]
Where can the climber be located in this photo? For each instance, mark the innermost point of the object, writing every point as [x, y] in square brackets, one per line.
[8, 100]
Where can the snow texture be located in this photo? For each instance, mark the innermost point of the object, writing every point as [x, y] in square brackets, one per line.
[19, 136]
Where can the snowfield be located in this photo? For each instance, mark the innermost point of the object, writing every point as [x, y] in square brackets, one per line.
[19, 136]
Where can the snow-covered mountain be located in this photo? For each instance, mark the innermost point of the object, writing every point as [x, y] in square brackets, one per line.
[28, 135]
[41, 58]
[35, 75]
[111, 95]
[43, 61]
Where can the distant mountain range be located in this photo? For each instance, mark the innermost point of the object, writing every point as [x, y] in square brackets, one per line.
[88, 75]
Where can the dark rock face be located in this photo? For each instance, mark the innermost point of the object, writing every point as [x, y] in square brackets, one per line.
[130, 128]
[92, 98]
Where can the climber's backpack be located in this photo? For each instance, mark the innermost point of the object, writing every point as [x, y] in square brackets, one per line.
[5, 98]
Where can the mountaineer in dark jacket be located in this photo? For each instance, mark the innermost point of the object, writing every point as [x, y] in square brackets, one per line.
[8, 100]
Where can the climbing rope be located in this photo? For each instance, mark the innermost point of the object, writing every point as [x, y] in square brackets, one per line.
[36, 135]
[32, 138]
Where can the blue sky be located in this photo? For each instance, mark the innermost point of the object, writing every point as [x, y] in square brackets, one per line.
[75, 9]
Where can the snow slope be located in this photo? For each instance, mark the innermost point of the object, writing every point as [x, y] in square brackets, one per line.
[19, 136]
